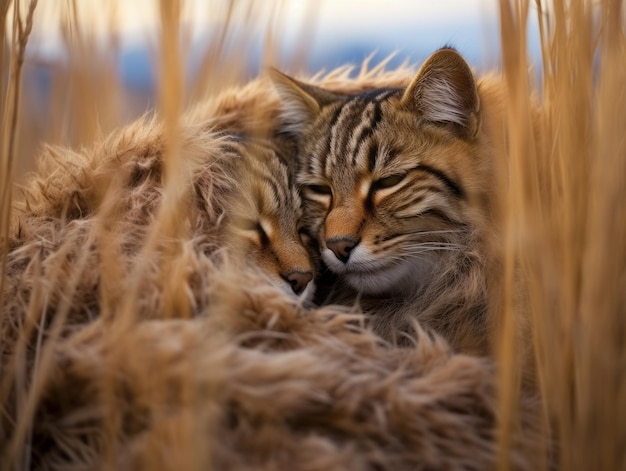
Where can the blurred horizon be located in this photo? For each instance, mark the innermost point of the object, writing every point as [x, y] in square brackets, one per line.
[121, 40]
[313, 36]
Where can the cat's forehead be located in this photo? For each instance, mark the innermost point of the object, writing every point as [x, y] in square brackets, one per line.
[377, 94]
[267, 180]
[275, 190]
[354, 105]
[354, 132]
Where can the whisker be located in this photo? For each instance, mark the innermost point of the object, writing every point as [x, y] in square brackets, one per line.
[417, 254]
[434, 246]
[442, 231]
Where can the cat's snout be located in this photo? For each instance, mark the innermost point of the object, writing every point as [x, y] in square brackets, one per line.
[341, 247]
[298, 280]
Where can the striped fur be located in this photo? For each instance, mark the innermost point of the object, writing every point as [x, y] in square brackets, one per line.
[265, 215]
[395, 188]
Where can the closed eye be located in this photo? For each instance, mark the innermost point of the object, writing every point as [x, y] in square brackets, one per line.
[388, 182]
[319, 189]
[322, 194]
[262, 234]
[305, 235]
[439, 214]
[253, 230]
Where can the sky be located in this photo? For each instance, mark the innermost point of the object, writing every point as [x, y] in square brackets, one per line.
[327, 33]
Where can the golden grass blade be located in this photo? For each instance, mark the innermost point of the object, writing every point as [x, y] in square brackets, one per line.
[22, 27]
[559, 201]
[10, 100]
[514, 192]
[601, 402]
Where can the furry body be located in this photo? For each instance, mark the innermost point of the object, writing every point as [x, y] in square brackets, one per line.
[255, 380]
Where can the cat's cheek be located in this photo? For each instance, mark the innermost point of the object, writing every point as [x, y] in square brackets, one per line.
[388, 281]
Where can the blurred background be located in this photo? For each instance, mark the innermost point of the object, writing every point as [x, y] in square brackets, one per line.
[116, 51]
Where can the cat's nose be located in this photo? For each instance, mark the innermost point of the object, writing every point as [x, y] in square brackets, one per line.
[341, 247]
[298, 280]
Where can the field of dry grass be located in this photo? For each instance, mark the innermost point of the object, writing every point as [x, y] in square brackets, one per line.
[109, 356]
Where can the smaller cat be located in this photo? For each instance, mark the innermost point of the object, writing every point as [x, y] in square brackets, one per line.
[265, 216]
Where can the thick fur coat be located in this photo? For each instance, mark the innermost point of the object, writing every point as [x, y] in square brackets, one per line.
[128, 348]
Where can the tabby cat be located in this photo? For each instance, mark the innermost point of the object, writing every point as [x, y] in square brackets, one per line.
[264, 218]
[395, 183]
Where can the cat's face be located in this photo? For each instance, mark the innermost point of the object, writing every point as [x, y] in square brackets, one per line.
[385, 175]
[265, 218]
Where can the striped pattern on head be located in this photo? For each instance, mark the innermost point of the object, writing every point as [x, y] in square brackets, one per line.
[384, 174]
[265, 217]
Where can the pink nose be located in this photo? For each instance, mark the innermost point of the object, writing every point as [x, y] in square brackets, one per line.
[341, 247]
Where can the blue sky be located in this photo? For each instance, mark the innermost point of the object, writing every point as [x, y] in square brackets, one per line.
[413, 29]
[328, 33]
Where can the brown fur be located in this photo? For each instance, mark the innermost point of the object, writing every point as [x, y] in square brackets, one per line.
[265, 217]
[255, 380]
[423, 124]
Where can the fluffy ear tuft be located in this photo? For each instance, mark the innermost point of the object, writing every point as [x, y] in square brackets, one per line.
[301, 102]
[444, 92]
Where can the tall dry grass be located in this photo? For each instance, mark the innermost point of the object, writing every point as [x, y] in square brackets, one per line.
[22, 23]
[564, 223]
[562, 192]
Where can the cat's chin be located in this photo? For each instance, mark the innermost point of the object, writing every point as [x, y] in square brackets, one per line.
[306, 295]
[372, 278]
[390, 282]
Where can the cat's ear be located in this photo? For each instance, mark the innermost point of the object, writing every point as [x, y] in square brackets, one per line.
[444, 92]
[301, 102]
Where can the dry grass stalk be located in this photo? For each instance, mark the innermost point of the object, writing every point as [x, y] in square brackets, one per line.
[90, 81]
[562, 220]
[22, 27]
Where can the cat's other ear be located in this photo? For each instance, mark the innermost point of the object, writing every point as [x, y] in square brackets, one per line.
[301, 102]
[444, 93]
